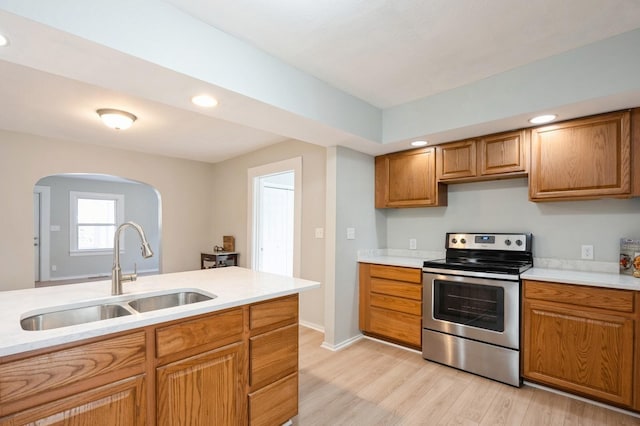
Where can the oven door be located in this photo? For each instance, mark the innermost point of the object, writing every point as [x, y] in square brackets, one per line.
[487, 310]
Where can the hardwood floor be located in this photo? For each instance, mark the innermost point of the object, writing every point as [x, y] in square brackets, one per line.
[371, 383]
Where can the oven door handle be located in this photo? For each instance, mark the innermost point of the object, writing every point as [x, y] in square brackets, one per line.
[505, 277]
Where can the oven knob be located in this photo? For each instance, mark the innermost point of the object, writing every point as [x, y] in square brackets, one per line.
[519, 242]
[454, 241]
[463, 241]
[507, 242]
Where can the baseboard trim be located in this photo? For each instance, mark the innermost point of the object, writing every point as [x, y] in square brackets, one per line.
[341, 345]
[312, 326]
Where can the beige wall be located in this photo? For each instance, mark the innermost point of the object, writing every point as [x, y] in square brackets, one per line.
[230, 211]
[184, 186]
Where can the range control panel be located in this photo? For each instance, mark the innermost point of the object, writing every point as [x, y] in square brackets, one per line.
[499, 241]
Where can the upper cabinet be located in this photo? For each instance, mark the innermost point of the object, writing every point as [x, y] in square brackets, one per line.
[582, 159]
[408, 179]
[498, 156]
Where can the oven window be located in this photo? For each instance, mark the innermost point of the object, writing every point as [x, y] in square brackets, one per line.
[474, 305]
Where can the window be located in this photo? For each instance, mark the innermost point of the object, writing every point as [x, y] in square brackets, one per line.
[94, 219]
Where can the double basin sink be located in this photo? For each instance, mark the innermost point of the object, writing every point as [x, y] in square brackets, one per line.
[64, 317]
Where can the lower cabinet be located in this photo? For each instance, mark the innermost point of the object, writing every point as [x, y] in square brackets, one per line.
[580, 339]
[202, 390]
[391, 303]
[229, 367]
[121, 403]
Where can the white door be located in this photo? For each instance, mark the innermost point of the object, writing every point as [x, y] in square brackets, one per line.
[274, 217]
[274, 230]
[36, 235]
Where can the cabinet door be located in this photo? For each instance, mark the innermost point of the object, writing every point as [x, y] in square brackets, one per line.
[579, 351]
[408, 179]
[275, 403]
[580, 159]
[121, 403]
[456, 160]
[203, 390]
[505, 153]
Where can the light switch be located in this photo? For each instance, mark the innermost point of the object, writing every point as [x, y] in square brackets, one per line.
[54, 228]
[351, 233]
[319, 232]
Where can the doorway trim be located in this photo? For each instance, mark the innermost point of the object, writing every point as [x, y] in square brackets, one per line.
[45, 230]
[292, 164]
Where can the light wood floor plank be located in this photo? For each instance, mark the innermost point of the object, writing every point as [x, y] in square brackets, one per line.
[372, 383]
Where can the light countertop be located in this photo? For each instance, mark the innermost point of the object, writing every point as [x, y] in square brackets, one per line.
[233, 286]
[566, 276]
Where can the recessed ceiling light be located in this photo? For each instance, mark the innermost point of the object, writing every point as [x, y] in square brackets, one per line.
[204, 101]
[116, 119]
[3, 40]
[541, 119]
[419, 143]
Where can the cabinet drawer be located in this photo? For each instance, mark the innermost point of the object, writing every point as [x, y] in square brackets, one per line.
[399, 304]
[273, 355]
[217, 329]
[60, 370]
[593, 297]
[396, 325]
[395, 288]
[398, 273]
[274, 404]
[272, 314]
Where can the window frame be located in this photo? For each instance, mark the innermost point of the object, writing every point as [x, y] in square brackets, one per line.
[74, 196]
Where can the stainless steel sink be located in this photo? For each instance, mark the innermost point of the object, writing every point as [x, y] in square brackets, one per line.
[162, 301]
[75, 316]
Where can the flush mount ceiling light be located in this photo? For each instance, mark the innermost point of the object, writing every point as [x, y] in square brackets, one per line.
[3, 41]
[116, 119]
[205, 101]
[419, 143]
[541, 119]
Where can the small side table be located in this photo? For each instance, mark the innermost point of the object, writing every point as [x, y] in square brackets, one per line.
[218, 259]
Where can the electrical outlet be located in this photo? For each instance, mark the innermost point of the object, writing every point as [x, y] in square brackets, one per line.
[587, 252]
[54, 268]
[351, 233]
[413, 243]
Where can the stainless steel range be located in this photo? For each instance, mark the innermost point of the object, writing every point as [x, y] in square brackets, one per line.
[471, 309]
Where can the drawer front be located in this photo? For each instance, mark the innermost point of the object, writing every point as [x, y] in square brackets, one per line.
[396, 326]
[273, 355]
[395, 288]
[398, 273]
[593, 297]
[274, 404]
[399, 304]
[219, 329]
[60, 369]
[275, 313]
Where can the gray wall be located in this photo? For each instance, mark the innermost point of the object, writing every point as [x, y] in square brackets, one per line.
[141, 206]
[559, 228]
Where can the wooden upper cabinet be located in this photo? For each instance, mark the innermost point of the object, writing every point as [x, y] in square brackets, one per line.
[582, 159]
[456, 160]
[503, 154]
[408, 179]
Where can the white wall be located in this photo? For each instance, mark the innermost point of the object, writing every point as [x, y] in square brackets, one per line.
[351, 186]
[559, 228]
[185, 188]
[229, 187]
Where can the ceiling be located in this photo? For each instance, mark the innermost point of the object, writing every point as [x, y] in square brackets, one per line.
[334, 72]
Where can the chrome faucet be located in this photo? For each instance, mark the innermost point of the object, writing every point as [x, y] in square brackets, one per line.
[116, 273]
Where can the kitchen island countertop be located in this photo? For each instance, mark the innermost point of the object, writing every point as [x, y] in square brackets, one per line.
[232, 286]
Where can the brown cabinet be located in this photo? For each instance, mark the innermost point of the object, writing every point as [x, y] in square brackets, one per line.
[582, 159]
[391, 303]
[273, 361]
[229, 367]
[497, 156]
[580, 339]
[408, 179]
